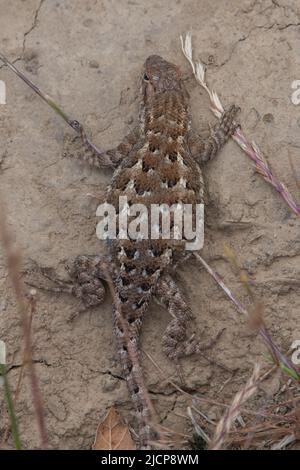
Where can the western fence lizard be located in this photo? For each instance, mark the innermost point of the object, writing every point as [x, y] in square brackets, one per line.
[157, 163]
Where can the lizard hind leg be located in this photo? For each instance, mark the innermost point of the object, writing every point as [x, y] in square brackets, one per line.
[85, 280]
[175, 342]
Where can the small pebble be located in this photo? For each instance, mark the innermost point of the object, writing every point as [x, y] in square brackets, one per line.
[94, 64]
[268, 118]
[87, 23]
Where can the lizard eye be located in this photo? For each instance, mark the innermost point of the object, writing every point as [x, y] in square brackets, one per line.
[146, 78]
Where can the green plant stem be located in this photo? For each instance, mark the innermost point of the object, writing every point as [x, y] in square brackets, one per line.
[10, 407]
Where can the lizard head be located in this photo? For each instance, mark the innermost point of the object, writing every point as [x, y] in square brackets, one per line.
[160, 76]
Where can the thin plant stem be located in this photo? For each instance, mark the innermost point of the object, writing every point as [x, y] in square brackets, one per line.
[10, 408]
[32, 309]
[14, 263]
[251, 149]
[76, 125]
[279, 358]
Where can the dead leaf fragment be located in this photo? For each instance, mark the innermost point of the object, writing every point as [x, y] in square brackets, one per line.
[113, 434]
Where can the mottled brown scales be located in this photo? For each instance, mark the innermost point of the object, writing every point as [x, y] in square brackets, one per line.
[157, 163]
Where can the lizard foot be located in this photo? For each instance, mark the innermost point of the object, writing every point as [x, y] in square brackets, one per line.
[175, 342]
[84, 280]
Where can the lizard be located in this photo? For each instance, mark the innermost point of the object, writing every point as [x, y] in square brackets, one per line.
[159, 161]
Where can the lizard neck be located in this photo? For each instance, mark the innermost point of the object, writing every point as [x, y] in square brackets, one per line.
[167, 115]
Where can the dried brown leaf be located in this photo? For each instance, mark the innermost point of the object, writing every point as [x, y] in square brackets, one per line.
[113, 433]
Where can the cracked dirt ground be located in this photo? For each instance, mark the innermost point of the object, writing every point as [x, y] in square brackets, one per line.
[88, 56]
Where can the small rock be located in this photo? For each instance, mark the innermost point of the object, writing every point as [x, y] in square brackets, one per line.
[94, 64]
[268, 118]
[87, 23]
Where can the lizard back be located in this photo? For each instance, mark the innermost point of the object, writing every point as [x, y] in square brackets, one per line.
[159, 170]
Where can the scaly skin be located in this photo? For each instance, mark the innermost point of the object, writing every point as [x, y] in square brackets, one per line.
[158, 162]
[158, 170]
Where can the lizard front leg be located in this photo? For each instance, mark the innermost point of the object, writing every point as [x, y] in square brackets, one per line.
[175, 342]
[109, 159]
[203, 149]
[85, 279]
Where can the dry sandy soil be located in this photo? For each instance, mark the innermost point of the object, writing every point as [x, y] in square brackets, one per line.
[88, 56]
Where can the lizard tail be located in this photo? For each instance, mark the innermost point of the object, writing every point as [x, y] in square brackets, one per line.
[127, 337]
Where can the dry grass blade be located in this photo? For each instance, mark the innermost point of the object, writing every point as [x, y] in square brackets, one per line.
[14, 267]
[200, 432]
[279, 358]
[113, 433]
[263, 169]
[274, 428]
[251, 149]
[224, 425]
[284, 442]
[76, 125]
